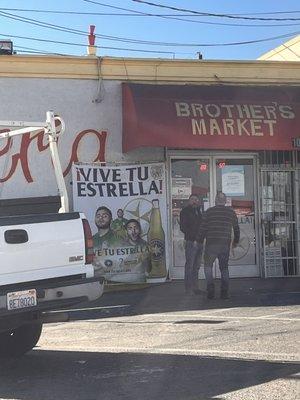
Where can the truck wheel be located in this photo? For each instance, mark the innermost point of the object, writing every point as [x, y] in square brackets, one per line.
[18, 341]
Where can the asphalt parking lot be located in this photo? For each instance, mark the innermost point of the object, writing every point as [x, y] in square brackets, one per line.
[157, 343]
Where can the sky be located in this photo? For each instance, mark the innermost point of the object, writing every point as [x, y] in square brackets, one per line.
[145, 30]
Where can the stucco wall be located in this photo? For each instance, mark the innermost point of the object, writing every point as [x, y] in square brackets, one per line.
[31, 85]
[29, 99]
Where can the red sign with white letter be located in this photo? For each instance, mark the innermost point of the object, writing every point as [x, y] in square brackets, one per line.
[210, 117]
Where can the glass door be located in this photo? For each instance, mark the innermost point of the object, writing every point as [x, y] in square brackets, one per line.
[188, 176]
[205, 176]
[236, 178]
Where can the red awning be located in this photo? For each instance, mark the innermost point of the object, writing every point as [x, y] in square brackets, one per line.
[210, 117]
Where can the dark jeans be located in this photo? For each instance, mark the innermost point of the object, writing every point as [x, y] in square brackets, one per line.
[193, 253]
[220, 252]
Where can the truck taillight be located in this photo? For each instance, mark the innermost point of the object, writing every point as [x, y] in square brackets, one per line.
[89, 249]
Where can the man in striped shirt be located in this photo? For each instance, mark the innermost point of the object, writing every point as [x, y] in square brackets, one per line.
[217, 225]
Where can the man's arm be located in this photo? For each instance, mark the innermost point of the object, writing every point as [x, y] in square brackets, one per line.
[202, 228]
[236, 229]
[183, 221]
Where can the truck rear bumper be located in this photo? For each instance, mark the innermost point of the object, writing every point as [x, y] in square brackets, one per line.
[55, 296]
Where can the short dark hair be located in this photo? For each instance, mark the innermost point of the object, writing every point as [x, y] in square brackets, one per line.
[105, 209]
[221, 198]
[135, 221]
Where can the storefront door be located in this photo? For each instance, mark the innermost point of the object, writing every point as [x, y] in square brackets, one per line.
[205, 176]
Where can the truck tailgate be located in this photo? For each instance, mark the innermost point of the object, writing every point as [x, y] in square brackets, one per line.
[36, 247]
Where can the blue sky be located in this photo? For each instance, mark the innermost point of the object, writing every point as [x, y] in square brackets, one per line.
[165, 29]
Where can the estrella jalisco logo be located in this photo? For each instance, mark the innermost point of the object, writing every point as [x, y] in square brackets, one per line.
[157, 248]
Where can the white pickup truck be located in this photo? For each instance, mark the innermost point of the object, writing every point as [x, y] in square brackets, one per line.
[46, 260]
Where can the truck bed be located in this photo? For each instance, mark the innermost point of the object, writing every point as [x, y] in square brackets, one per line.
[38, 247]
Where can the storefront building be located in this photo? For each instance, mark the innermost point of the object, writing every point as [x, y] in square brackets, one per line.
[236, 139]
[216, 126]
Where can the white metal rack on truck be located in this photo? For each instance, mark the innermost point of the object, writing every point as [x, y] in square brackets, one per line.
[46, 259]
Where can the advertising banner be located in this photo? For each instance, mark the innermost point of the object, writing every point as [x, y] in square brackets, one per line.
[126, 208]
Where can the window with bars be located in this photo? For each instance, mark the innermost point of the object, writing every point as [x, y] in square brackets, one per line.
[279, 206]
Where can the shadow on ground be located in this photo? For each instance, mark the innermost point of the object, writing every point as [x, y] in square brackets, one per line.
[170, 297]
[70, 375]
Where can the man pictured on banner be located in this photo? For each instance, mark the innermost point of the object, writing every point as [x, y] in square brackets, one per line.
[134, 231]
[118, 224]
[142, 262]
[105, 236]
[190, 221]
[217, 225]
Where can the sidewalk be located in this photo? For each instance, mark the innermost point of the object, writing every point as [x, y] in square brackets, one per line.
[170, 296]
[237, 285]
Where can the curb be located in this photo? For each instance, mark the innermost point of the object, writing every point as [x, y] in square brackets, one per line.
[124, 287]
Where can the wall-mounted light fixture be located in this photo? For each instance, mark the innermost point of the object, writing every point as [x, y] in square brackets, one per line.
[6, 47]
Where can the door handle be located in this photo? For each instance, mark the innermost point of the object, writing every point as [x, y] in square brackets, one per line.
[16, 236]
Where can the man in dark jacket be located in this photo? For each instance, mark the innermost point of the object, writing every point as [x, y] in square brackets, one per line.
[190, 220]
[217, 225]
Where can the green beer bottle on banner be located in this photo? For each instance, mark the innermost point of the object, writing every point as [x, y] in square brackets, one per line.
[156, 241]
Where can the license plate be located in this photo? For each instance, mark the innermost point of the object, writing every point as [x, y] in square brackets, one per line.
[22, 299]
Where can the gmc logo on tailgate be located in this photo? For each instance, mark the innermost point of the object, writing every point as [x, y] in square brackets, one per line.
[75, 258]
